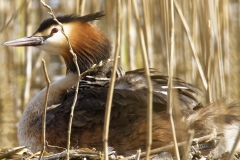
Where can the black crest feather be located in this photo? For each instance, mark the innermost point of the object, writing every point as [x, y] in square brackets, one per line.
[70, 18]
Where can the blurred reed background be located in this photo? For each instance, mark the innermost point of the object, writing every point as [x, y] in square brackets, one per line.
[207, 28]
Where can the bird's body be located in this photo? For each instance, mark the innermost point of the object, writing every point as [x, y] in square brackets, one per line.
[127, 131]
[128, 117]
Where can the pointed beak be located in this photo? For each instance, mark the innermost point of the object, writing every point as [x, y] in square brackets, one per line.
[26, 41]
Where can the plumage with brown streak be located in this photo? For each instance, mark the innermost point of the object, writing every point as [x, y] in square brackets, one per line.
[128, 116]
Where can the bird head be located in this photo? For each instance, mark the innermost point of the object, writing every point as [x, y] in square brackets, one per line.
[88, 42]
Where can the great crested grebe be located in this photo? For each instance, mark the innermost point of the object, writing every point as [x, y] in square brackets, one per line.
[128, 116]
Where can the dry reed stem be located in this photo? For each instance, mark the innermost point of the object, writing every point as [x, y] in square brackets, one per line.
[164, 148]
[112, 81]
[130, 35]
[147, 30]
[235, 145]
[170, 75]
[200, 16]
[149, 82]
[28, 68]
[33, 155]
[166, 28]
[16, 13]
[191, 44]
[137, 157]
[51, 146]
[195, 37]
[38, 62]
[73, 155]
[220, 62]
[78, 73]
[188, 144]
[225, 37]
[208, 65]
[81, 7]
[78, 6]
[181, 144]
[4, 155]
[45, 110]
[221, 79]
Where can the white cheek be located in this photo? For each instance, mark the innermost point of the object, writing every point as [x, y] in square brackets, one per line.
[54, 44]
[57, 43]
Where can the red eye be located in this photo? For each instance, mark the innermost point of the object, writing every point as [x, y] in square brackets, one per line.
[54, 30]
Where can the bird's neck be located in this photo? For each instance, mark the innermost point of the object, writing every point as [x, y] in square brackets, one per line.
[56, 92]
[33, 112]
[31, 117]
[90, 45]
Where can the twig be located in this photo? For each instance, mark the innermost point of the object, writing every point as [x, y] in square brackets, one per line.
[207, 138]
[111, 85]
[33, 155]
[11, 152]
[235, 145]
[51, 146]
[138, 154]
[191, 44]
[76, 154]
[37, 63]
[83, 74]
[149, 82]
[78, 73]
[45, 110]
[169, 95]
[181, 144]
[188, 144]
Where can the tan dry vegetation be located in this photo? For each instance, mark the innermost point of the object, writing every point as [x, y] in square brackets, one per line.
[212, 27]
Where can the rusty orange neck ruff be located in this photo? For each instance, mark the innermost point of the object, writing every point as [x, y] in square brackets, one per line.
[89, 44]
